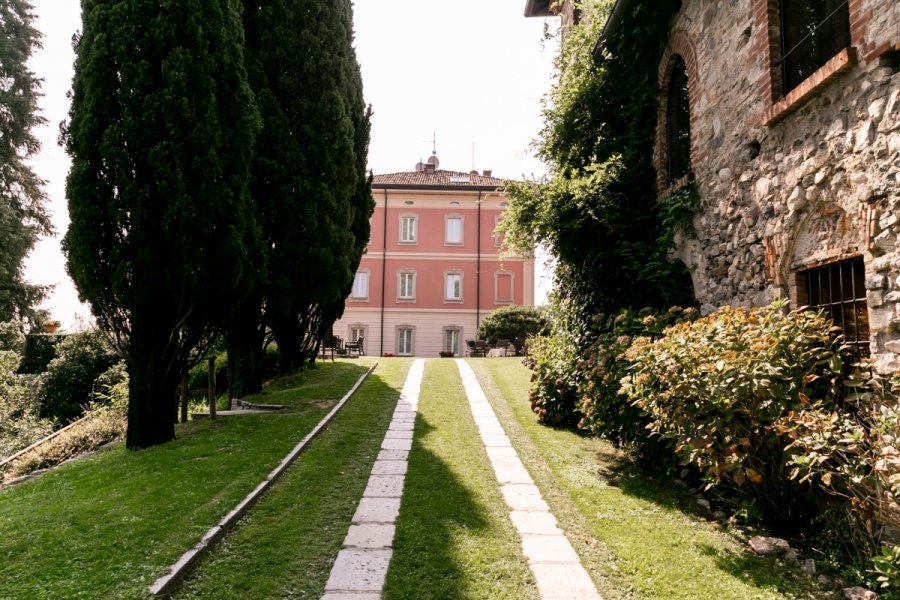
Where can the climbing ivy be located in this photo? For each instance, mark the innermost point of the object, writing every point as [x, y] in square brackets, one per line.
[597, 211]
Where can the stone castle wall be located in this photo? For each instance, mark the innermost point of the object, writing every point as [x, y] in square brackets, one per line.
[791, 183]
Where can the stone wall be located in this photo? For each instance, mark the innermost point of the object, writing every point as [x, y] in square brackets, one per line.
[797, 182]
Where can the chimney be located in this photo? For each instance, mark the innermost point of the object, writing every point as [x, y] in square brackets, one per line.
[487, 172]
[429, 168]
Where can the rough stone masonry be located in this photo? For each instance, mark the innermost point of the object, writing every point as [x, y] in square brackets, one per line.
[790, 181]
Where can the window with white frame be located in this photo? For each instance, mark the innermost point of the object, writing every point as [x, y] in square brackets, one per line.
[498, 237]
[453, 229]
[360, 289]
[453, 287]
[503, 287]
[404, 341]
[408, 225]
[452, 336]
[356, 332]
[406, 285]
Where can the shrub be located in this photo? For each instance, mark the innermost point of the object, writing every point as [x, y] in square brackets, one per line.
[102, 424]
[40, 349]
[513, 323]
[66, 387]
[20, 425]
[719, 386]
[853, 453]
[606, 411]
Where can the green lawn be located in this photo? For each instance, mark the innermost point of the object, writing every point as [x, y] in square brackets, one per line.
[638, 536]
[285, 546]
[454, 537]
[108, 525]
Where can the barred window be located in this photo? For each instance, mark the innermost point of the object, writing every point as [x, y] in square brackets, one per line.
[839, 289]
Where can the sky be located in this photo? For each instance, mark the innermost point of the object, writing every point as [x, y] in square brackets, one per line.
[463, 78]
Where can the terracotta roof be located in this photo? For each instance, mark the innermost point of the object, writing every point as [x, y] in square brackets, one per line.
[438, 178]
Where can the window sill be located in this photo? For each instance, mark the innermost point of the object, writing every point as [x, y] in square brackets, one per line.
[451, 301]
[357, 299]
[406, 300]
[801, 94]
[404, 243]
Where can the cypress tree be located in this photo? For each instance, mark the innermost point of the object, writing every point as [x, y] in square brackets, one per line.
[163, 241]
[309, 181]
[23, 217]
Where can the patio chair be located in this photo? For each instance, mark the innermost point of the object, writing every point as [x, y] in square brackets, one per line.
[481, 348]
[472, 349]
[502, 345]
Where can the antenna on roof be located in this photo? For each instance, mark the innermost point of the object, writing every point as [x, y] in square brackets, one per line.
[434, 143]
[473, 155]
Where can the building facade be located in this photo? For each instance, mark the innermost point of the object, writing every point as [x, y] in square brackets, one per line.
[785, 116]
[432, 269]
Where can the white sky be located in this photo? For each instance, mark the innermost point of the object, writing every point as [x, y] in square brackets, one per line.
[469, 73]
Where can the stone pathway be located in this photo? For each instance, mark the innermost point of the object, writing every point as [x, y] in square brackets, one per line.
[361, 566]
[556, 567]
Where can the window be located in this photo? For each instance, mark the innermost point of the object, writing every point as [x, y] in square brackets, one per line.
[678, 122]
[503, 287]
[453, 287]
[453, 230]
[840, 290]
[812, 33]
[404, 341]
[408, 229]
[360, 286]
[452, 336]
[498, 237]
[356, 332]
[406, 285]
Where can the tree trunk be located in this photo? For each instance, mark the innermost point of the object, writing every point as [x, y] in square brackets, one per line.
[289, 338]
[244, 342]
[153, 382]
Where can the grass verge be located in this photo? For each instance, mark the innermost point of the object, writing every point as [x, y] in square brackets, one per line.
[636, 534]
[454, 537]
[108, 525]
[285, 546]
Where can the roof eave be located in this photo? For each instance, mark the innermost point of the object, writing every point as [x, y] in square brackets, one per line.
[436, 187]
[538, 8]
[620, 9]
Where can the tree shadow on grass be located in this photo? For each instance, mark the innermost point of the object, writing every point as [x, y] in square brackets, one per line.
[445, 545]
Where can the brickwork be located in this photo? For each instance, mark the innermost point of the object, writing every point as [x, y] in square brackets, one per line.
[788, 183]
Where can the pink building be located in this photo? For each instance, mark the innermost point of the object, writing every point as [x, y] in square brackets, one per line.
[432, 269]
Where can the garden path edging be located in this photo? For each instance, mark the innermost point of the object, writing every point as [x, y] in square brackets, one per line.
[179, 570]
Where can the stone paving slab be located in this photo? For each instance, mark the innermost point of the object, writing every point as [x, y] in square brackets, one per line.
[351, 596]
[393, 454]
[394, 434]
[377, 510]
[404, 425]
[548, 549]
[523, 497]
[376, 536]
[511, 462]
[359, 570]
[395, 444]
[564, 582]
[389, 467]
[500, 451]
[535, 522]
[384, 486]
[497, 441]
[512, 475]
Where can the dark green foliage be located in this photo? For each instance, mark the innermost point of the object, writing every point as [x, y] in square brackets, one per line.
[719, 387]
[309, 182]
[163, 242]
[66, 387]
[607, 411]
[40, 349]
[23, 216]
[598, 212]
[513, 323]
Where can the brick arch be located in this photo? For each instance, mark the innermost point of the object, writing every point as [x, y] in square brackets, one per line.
[680, 45]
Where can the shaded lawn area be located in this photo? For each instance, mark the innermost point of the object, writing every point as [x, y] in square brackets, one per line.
[637, 534]
[285, 546]
[454, 536]
[108, 525]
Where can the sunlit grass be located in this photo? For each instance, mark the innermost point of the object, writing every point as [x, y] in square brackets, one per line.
[637, 535]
